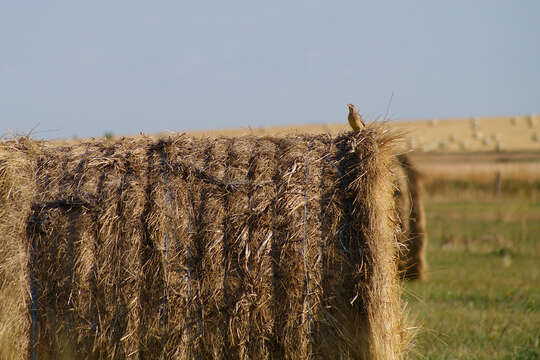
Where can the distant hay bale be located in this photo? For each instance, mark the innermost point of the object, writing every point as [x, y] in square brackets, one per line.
[531, 121]
[250, 247]
[477, 135]
[409, 202]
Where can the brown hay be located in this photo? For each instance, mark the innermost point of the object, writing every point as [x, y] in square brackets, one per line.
[410, 207]
[188, 248]
[16, 190]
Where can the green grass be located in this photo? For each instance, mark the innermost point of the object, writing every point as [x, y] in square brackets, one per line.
[482, 299]
[508, 186]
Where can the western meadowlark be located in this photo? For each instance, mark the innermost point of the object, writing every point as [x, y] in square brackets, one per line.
[355, 119]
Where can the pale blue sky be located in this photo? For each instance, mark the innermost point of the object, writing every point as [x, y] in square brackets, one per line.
[83, 68]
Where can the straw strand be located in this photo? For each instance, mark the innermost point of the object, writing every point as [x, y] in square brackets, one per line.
[70, 270]
[304, 250]
[33, 302]
[164, 301]
[189, 284]
[77, 178]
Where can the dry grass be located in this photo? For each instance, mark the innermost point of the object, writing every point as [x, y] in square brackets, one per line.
[479, 172]
[519, 173]
[251, 247]
[16, 183]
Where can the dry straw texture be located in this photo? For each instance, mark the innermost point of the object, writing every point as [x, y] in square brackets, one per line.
[187, 248]
[410, 205]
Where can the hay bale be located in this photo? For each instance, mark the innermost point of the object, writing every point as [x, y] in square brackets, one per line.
[402, 198]
[201, 248]
[408, 195]
[531, 121]
[474, 123]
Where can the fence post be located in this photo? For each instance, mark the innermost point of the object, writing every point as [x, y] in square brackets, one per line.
[497, 182]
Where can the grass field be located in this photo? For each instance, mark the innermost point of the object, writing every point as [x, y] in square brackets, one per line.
[482, 299]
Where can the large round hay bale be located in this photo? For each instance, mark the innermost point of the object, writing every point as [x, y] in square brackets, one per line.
[227, 248]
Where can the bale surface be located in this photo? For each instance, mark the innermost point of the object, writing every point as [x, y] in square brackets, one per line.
[16, 190]
[410, 206]
[227, 248]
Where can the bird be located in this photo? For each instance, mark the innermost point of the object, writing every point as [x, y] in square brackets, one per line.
[355, 119]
